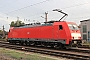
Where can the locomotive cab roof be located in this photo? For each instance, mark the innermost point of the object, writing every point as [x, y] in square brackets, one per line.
[51, 21]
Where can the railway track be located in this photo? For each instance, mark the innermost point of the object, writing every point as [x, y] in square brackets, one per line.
[62, 53]
[82, 50]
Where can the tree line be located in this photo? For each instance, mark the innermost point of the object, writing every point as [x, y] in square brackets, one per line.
[17, 23]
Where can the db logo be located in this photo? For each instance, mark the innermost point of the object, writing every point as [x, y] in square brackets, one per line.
[28, 32]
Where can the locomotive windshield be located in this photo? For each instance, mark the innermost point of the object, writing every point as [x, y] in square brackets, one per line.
[73, 27]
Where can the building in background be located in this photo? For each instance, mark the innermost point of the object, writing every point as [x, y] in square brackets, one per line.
[85, 29]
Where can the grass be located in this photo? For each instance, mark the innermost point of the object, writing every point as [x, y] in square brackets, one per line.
[87, 43]
[19, 55]
[3, 39]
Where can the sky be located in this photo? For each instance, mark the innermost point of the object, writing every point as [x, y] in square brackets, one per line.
[31, 11]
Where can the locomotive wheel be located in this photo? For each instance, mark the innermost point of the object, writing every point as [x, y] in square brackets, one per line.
[21, 43]
[32, 43]
[59, 46]
[26, 43]
[10, 42]
[42, 44]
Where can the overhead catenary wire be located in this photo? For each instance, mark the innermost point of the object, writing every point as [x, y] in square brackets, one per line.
[46, 1]
[8, 13]
[43, 2]
[76, 5]
[48, 11]
[27, 6]
[8, 4]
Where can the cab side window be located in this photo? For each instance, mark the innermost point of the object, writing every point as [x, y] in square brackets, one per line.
[60, 27]
[9, 30]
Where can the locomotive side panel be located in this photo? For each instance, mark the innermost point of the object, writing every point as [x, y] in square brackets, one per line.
[47, 32]
[27, 33]
[32, 32]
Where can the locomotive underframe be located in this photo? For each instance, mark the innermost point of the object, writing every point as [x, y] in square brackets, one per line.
[74, 43]
[45, 42]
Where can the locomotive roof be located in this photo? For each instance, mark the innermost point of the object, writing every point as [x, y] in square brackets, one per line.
[50, 23]
[37, 24]
[34, 25]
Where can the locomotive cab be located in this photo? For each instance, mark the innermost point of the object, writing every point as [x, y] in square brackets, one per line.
[75, 34]
[67, 33]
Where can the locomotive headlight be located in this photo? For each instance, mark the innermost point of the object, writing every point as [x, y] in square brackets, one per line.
[72, 37]
[79, 37]
[75, 42]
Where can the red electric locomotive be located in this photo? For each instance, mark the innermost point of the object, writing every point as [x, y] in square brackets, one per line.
[53, 33]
